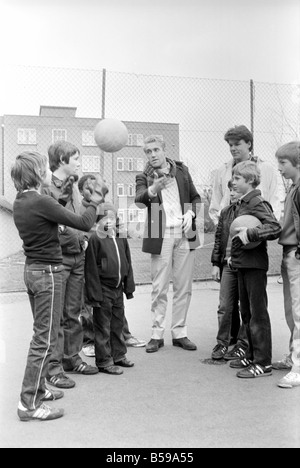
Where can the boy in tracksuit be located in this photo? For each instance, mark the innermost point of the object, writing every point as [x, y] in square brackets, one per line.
[108, 275]
[252, 266]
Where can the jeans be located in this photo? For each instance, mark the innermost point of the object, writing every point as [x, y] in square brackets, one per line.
[235, 319]
[110, 345]
[229, 305]
[290, 271]
[176, 262]
[70, 338]
[44, 287]
[255, 316]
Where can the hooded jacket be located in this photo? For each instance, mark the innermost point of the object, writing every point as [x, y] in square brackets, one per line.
[107, 263]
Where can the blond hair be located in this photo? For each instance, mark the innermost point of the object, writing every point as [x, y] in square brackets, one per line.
[249, 170]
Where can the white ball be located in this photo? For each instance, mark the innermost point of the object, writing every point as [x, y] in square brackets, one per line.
[111, 135]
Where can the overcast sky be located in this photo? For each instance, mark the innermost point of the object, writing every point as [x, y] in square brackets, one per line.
[227, 39]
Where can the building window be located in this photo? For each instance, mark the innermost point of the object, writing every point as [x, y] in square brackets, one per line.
[121, 215]
[130, 191]
[27, 136]
[59, 135]
[120, 164]
[141, 216]
[135, 139]
[130, 164]
[120, 190]
[131, 215]
[88, 138]
[90, 164]
[140, 164]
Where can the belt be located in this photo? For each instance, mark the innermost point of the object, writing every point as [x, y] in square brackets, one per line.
[46, 268]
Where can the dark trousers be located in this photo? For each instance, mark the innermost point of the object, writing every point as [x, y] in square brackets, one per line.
[254, 310]
[65, 356]
[45, 288]
[229, 308]
[87, 323]
[110, 345]
[235, 317]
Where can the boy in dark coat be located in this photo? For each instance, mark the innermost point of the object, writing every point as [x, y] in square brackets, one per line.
[252, 266]
[108, 275]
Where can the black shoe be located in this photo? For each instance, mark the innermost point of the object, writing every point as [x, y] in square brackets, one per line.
[124, 363]
[219, 352]
[154, 345]
[184, 343]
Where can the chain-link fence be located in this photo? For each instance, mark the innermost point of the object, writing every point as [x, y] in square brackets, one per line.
[41, 105]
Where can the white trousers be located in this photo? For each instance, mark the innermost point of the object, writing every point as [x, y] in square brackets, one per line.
[176, 262]
[290, 271]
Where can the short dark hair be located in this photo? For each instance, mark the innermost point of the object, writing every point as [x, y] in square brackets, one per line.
[61, 151]
[230, 184]
[83, 180]
[239, 132]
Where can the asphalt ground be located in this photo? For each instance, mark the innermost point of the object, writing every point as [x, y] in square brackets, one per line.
[168, 400]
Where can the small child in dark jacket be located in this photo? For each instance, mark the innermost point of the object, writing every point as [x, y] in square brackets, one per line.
[229, 295]
[108, 275]
[252, 266]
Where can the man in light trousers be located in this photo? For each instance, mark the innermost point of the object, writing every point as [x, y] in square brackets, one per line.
[166, 189]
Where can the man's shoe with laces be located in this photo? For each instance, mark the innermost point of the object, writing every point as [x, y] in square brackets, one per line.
[60, 381]
[219, 352]
[184, 343]
[43, 413]
[154, 345]
[291, 380]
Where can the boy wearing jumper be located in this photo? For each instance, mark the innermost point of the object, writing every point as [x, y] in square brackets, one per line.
[37, 218]
[288, 157]
[229, 296]
[252, 266]
[108, 275]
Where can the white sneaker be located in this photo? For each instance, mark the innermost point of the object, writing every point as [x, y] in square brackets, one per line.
[89, 351]
[135, 343]
[290, 380]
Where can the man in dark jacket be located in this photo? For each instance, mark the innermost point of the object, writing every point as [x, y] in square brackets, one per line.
[166, 189]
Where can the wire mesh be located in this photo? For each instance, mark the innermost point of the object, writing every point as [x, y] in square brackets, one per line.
[41, 105]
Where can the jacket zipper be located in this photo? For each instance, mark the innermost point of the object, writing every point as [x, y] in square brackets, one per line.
[119, 261]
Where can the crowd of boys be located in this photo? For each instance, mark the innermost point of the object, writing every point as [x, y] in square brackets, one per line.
[75, 271]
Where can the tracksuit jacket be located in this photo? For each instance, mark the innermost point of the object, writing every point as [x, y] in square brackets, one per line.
[253, 204]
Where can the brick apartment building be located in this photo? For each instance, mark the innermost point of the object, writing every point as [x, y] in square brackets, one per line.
[22, 132]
